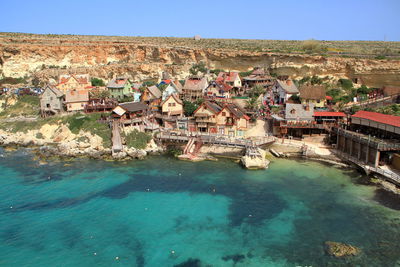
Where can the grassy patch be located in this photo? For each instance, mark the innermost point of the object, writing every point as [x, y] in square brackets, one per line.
[76, 122]
[89, 123]
[27, 105]
[137, 139]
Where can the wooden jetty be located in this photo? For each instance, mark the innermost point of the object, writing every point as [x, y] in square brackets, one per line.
[116, 138]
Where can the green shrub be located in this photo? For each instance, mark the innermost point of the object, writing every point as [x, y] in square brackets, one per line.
[199, 67]
[189, 108]
[89, 123]
[313, 46]
[11, 80]
[26, 105]
[137, 139]
[97, 82]
[345, 83]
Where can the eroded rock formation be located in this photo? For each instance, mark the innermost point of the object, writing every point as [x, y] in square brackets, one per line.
[105, 59]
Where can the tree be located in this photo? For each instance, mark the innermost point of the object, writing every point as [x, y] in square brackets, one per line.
[148, 83]
[256, 91]
[97, 82]
[199, 67]
[189, 108]
[252, 103]
[346, 84]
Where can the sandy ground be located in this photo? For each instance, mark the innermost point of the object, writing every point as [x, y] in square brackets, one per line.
[315, 143]
[257, 130]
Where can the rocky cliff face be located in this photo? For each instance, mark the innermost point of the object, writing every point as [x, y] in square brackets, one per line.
[104, 59]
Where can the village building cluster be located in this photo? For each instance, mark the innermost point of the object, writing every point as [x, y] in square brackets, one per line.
[228, 105]
[222, 103]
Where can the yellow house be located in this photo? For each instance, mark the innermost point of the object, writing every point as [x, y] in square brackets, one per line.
[313, 94]
[172, 106]
[73, 82]
[76, 100]
[232, 121]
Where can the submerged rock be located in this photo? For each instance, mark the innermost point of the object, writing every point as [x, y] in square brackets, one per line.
[340, 249]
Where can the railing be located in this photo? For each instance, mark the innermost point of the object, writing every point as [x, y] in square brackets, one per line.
[386, 173]
[392, 98]
[208, 120]
[216, 139]
[370, 141]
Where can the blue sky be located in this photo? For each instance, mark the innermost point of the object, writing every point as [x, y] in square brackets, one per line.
[255, 19]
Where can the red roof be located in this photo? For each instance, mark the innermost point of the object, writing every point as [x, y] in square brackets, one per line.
[227, 76]
[328, 97]
[328, 114]
[378, 117]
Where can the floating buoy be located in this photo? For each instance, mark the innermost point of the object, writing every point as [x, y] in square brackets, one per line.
[10, 207]
[95, 253]
[172, 251]
[180, 174]
[117, 258]
[148, 189]
[214, 190]
[48, 178]
[250, 215]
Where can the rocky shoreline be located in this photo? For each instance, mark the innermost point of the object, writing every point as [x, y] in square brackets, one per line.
[59, 141]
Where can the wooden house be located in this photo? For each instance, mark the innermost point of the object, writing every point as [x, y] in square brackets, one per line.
[152, 96]
[194, 88]
[313, 94]
[230, 78]
[172, 106]
[74, 82]
[218, 89]
[282, 90]
[51, 101]
[298, 120]
[232, 121]
[131, 113]
[205, 117]
[120, 87]
[258, 77]
[172, 88]
[76, 100]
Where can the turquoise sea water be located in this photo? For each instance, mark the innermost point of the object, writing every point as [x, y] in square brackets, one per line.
[164, 212]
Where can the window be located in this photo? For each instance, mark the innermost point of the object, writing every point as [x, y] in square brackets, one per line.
[51, 98]
[293, 111]
[224, 114]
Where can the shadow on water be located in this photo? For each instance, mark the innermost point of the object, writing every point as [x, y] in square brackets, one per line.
[244, 203]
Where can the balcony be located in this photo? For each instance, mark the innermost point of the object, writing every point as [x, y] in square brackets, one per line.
[206, 120]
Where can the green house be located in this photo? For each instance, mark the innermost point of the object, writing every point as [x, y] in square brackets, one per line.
[119, 87]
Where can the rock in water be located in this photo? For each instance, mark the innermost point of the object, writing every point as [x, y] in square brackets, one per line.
[340, 249]
[255, 162]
